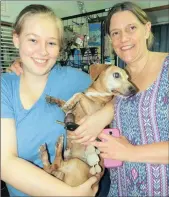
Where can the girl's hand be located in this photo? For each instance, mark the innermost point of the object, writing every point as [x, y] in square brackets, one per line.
[114, 148]
[86, 189]
[16, 67]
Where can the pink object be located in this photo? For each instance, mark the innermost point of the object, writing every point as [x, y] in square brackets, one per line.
[110, 163]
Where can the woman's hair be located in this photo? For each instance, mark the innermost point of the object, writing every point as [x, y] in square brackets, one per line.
[37, 9]
[136, 10]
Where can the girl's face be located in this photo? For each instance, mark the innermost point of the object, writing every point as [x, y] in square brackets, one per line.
[38, 44]
[128, 36]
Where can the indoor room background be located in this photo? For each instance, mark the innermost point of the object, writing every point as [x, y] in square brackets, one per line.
[85, 40]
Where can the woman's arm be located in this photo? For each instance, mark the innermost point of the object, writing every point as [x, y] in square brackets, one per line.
[16, 67]
[121, 149]
[28, 178]
[91, 126]
[156, 153]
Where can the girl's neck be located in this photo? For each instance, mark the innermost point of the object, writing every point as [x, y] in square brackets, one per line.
[34, 81]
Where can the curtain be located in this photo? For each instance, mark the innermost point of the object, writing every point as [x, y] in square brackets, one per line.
[161, 38]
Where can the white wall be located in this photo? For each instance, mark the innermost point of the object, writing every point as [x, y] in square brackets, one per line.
[69, 8]
[61, 8]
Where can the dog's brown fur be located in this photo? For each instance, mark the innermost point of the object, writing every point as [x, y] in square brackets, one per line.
[74, 170]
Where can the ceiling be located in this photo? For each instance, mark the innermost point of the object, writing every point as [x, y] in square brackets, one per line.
[69, 8]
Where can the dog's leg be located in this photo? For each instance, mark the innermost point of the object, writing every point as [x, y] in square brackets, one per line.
[46, 165]
[58, 174]
[56, 101]
[44, 158]
[58, 160]
[67, 152]
[58, 157]
[88, 105]
[70, 104]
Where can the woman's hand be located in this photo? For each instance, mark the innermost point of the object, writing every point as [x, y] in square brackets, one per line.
[114, 148]
[86, 189]
[16, 67]
[91, 126]
[121, 149]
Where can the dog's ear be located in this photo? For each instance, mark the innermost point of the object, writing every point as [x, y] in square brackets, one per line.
[96, 69]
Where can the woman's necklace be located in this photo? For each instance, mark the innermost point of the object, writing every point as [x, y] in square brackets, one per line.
[135, 76]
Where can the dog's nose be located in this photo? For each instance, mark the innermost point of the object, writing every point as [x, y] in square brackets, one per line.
[132, 90]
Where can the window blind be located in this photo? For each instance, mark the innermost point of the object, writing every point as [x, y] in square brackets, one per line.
[8, 50]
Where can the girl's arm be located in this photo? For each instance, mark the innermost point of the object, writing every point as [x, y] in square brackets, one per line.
[28, 178]
[16, 67]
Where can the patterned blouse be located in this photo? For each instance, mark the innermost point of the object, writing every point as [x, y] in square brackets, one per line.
[143, 119]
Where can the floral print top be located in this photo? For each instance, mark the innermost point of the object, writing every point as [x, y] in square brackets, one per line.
[143, 119]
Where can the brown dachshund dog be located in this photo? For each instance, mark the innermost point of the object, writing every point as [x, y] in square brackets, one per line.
[76, 167]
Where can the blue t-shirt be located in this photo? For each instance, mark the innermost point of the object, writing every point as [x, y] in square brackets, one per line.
[37, 125]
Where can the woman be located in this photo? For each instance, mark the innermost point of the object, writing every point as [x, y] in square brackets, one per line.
[141, 119]
[27, 121]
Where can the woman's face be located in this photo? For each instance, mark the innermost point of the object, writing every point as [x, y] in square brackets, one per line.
[128, 36]
[38, 44]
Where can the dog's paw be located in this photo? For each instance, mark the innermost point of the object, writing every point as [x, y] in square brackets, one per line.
[43, 153]
[49, 99]
[53, 100]
[92, 171]
[98, 168]
[42, 148]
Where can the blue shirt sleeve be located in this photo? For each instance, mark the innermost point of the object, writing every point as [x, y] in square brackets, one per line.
[6, 98]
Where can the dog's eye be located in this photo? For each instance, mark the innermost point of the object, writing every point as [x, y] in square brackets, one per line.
[116, 75]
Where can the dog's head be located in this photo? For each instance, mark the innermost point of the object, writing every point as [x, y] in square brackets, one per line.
[112, 79]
